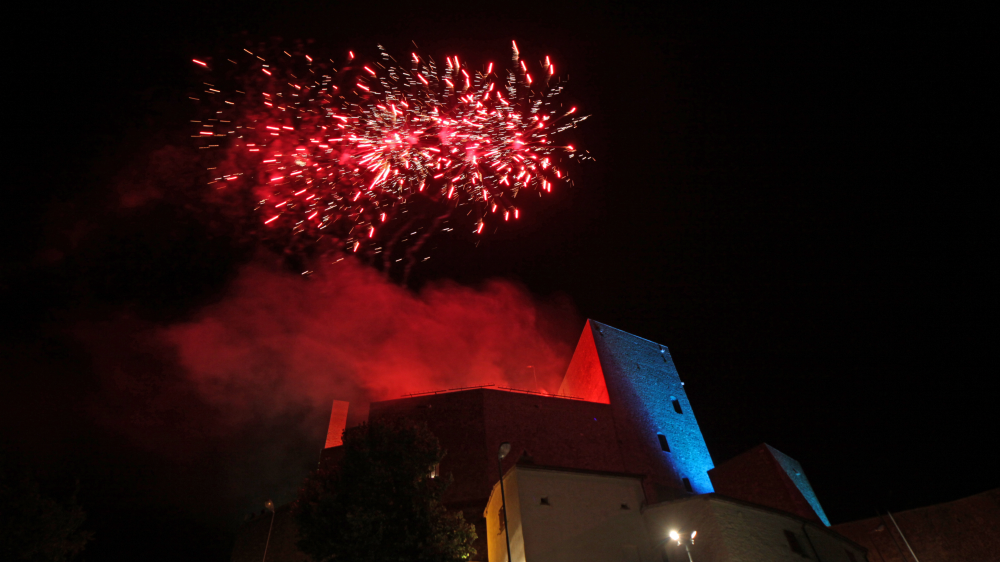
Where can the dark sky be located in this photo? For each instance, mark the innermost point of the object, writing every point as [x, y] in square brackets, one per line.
[798, 203]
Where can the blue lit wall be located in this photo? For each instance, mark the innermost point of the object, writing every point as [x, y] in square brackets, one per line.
[642, 380]
[798, 476]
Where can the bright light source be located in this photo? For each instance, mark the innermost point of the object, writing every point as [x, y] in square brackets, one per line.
[693, 533]
[674, 536]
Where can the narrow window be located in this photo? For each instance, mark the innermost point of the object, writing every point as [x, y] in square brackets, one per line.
[793, 543]
[677, 405]
[545, 501]
[625, 506]
[503, 521]
[663, 442]
[687, 484]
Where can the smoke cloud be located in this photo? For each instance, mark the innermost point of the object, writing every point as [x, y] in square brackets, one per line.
[280, 342]
[229, 407]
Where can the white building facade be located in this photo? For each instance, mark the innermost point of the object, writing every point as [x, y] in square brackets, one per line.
[558, 515]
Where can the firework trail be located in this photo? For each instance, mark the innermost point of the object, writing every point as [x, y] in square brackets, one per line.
[372, 156]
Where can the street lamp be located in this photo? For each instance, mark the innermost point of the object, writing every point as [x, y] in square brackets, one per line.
[269, 505]
[685, 540]
[501, 453]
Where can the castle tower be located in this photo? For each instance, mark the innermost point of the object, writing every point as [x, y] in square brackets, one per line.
[656, 425]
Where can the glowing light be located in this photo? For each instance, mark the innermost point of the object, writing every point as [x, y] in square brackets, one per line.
[196, 61]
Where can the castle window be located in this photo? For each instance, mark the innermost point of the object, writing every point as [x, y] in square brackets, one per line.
[663, 442]
[677, 405]
[625, 506]
[793, 543]
[545, 501]
[501, 516]
[687, 484]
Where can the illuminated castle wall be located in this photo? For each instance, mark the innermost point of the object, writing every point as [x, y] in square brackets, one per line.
[630, 415]
[766, 476]
[650, 407]
[631, 409]
[621, 409]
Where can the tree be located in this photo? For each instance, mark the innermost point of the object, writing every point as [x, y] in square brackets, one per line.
[381, 502]
[35, 527]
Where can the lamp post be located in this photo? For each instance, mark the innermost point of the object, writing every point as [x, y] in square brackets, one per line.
[269, 505]
[685, 540]
[501, 453]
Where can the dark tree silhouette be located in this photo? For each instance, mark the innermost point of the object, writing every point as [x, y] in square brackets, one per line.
[381, 503]
[34, 527]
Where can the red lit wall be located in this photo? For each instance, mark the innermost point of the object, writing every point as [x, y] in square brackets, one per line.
[548, 431]
[338, 421]
[584, 378]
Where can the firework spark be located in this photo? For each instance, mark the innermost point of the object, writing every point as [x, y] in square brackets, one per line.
[371, 155]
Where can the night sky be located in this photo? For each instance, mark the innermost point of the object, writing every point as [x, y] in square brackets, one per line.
[798, 203]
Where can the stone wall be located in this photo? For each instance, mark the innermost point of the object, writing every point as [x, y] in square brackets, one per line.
[730, 530]
[645, 393]
[563, 516]
[757, 476]
[965, 530]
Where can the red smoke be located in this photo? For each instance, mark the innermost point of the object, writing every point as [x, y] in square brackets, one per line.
[279, 341]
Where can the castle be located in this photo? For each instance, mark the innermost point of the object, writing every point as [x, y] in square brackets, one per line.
[606, 469]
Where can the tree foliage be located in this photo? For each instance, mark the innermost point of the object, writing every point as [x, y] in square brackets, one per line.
[35, 527]
[380, 503]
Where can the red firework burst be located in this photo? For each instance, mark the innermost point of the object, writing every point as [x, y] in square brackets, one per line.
[343, 154]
